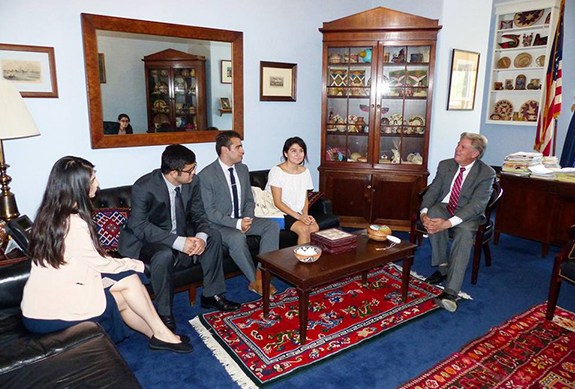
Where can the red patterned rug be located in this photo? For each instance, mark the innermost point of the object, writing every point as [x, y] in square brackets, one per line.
[257, 351]
[525, 352]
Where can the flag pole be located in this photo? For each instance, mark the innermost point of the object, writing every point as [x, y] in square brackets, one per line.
[554, 137]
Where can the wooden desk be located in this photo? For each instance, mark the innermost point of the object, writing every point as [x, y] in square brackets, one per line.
[330, 268]
[535, 209]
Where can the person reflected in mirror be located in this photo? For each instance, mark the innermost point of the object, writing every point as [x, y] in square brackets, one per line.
[230, 206]
[455, 203]
[289, 183]
[73, 280]
[168, 229]
[121, 127]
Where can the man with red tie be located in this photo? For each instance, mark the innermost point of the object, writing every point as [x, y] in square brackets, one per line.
[455, 202]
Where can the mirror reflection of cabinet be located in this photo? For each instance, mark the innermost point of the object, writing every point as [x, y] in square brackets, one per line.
[175, 91]
[376, 112]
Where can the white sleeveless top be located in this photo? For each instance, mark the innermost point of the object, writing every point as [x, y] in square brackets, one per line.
[294, 186]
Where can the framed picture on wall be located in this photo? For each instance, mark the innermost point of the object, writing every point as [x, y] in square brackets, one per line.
[31, 68]
[225, 103]
[278, 81]
[102, 68]
[226, 76]
[463, 80]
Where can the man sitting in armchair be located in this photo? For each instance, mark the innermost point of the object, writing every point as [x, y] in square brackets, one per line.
[455, 202]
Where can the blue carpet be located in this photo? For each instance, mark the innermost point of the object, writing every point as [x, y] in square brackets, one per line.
[517, 280]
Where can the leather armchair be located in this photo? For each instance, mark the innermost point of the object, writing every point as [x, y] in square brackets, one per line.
[563, 269]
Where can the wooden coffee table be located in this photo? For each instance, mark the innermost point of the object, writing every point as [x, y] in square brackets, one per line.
[330, 268]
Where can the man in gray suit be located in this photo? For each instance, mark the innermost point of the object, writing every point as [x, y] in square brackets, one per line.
[229, 204]
[456, 201]
[168, 229]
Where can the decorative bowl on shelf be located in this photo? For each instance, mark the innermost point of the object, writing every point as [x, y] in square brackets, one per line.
[307, 253]
[378, 232]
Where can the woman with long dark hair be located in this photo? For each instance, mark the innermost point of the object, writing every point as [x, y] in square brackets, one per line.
[288, 183]
[72, 279]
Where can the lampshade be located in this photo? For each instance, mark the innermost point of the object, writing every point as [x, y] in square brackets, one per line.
[15, 119]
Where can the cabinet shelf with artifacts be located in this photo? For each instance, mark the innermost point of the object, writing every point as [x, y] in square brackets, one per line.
[376, 108]
[521, 47]
[176, 91]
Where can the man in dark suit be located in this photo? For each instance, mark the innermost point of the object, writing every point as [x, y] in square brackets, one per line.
[456, 201]
[229, 203]
[168, 228]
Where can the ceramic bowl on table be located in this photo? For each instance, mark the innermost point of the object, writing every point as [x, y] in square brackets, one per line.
[307, 253]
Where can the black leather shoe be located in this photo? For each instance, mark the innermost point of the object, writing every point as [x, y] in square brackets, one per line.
[435, 278]
[447, 302]
[184, 338]
[220, 303]
[182, 348]
[170, 322]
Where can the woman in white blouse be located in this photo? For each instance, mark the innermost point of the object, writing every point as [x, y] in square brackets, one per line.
[73, 280]
[289, 183]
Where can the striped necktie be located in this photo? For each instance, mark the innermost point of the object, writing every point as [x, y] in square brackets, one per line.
[454, 198]
[234, 193]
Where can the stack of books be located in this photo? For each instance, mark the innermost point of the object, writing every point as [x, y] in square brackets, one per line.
[334, 240]
[519, 163]
[566, 174]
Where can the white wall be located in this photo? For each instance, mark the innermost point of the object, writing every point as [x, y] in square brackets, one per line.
[220, 51]
[506, 139]
[282, 31]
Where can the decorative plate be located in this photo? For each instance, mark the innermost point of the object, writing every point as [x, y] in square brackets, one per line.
[529, 110]
[161, 119]
[527, 18]
[503, 108]
[503, 63]
[161, 104]
[540, 61]
[416, 120]
[395, 118]
[520, 82]
[523, 60]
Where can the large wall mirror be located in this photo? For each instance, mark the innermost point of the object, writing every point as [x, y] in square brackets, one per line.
[175, 83]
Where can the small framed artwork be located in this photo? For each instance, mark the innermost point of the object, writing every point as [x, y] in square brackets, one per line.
[225, 103]
[463, 80]
[226, 76]
[278, 81]
[102, 68]
[31, 68]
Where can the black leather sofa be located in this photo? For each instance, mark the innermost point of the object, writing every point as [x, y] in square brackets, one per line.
[191, 278]
[81, 356]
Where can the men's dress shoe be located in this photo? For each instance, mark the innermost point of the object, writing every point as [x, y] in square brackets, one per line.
[447, 302]
[435, 278]
[182, 347]
[220, 303]
[258, 288]
[169, 321]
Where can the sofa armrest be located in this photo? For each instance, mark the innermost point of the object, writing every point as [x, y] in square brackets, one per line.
[12, 280]
[322, 206]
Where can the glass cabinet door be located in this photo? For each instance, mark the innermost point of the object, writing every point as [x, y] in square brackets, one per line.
[349, 80]
[185, 98]
[159, 89]
[404, 90]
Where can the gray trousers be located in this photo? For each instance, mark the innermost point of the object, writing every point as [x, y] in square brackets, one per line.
[457, 258]
[235, 241]
[164, 261]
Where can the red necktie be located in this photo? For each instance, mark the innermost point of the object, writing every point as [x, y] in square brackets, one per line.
[454, 198]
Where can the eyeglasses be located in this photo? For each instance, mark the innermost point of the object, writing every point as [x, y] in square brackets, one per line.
[125, 121]
[191, 170]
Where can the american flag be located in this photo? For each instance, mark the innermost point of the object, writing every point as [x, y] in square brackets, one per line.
[552, 88]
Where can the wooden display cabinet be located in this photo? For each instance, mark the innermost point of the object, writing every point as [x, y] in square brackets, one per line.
[175, 91]
[376, 108]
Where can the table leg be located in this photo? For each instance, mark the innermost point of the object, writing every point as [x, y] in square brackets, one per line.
[407, 261]
[364, 277]
[266, 291]
[544, 250]
[303, 302]
[496, 237]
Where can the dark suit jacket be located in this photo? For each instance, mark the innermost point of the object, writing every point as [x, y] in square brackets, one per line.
[150, 220]
[112, 128]
[216, 194]
[474, 194]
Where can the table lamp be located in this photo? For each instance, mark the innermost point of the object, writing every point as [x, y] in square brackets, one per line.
[15, 122]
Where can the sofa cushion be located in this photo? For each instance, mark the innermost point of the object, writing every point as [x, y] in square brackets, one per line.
[109, 222]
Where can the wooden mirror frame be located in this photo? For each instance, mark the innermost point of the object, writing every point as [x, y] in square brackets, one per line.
[91, 23]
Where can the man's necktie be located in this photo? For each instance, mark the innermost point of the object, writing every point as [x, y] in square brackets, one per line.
[454, 198]
[234, 193]
[180, 214]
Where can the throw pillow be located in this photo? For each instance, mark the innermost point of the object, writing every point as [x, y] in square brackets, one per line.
[109, 222]
[312, 197]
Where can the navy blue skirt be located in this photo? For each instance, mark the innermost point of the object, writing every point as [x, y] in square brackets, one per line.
[110, 319]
